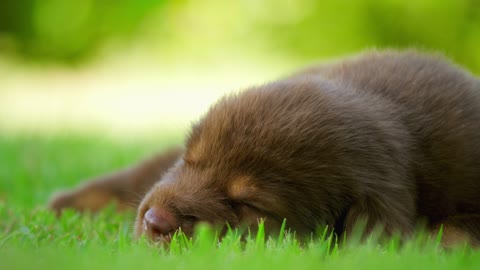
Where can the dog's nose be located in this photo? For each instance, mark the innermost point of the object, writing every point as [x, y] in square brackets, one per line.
[159, 222]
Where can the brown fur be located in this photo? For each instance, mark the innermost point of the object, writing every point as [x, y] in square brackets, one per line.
[126, 187]
[388, 138]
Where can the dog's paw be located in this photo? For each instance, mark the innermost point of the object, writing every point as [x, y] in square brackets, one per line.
[84, 199]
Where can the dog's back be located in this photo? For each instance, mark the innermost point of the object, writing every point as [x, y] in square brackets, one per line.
[440, 106]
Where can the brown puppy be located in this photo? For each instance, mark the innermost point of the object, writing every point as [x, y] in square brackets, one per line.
[387, 138]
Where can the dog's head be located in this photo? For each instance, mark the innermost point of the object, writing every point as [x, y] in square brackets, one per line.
[257, 155]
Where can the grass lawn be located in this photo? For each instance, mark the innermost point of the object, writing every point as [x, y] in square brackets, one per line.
[32, 167]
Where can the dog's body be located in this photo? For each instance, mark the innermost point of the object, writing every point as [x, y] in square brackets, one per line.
[389, 138]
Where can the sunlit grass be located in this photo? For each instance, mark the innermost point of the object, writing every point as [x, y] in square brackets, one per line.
[38, 239]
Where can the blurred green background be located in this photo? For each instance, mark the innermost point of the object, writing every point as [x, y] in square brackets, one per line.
[71, 31]
[70, 62]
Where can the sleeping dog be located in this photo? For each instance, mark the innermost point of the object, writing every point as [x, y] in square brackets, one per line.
[387, 138]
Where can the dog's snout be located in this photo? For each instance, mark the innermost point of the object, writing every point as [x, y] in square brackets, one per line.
[159, 223]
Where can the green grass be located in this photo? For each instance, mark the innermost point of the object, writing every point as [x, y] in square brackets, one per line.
[33, 238]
